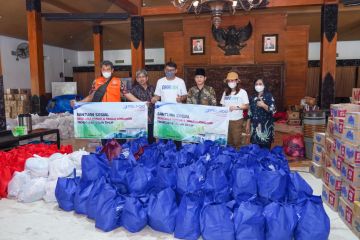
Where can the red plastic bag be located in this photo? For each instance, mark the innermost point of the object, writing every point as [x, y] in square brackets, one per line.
[294, 145]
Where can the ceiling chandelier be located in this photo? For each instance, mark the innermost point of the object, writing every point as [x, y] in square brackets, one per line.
[217, 7]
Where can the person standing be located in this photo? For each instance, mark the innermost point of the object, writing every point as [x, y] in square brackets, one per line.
[143, 91]
[201, 93]
[237, 100]
[260, 124]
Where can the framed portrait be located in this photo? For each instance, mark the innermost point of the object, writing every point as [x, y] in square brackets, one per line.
[197, 45]
[270, 43]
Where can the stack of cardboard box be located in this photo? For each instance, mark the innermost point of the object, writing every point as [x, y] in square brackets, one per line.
[17, 101]
[342, 161]
[355, 96]
[318, 159]
[293, 116]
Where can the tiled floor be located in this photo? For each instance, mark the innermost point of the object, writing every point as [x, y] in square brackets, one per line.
[43, 221]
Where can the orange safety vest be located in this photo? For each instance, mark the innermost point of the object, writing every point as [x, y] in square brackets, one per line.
[113, 90]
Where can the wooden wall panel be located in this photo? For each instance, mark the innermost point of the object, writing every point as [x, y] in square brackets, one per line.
[270, 24]
[345, 81]
[358, 77]
[296, 58]
[84, 81]
[312, 83]
[174, 49]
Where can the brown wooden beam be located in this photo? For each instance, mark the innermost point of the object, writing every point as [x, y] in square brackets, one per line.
[61, 5]
[98, 49]
[137, 45]
[128, 6]
[293, 3]
[161, 10]
[36, 54]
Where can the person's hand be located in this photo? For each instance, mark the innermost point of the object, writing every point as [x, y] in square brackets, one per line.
[261, 104]
[154, 100]
[247, 129]
[72, 103]
[233, 108]
[178, 99]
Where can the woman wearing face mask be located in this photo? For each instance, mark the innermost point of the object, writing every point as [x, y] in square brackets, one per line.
[237, 100]
[260, 123]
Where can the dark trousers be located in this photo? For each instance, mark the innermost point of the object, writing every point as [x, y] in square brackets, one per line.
[151, 138]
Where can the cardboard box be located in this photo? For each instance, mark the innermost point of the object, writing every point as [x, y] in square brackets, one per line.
[340, 110]
[346, 213]
[11, 91]
[316, 170]
[330, 197]
[293, 115]
[351, 135]
[332, 179]
[350, 193]
[356, 94]
[318, 149]
[327, 161]
[336, 163]
[330, 127]
[339, 123]
[319, 138]
[352, 120]
[330, 144]
[357, 208]
[351, 174]
[339, 147]
[294, 122]
[319, 159]
[25, 91]
[352, 154]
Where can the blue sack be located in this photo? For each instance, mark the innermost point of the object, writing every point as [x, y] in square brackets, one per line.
[216, 222]
[65, 192]
[188, 217]
[94, 197]
[61, 103]
[225, 162]
[162, 211]
[313, 222]
[243, 183]
[281, 220]
[249, 221]
[118, 170]
[216, 185]
[134, 216]
[81, 196]
[165, 175]
[94, 166]
[138, 180]
[298, 187]
[109, 209]
[272, 185]
[203, 147]
[190, 178]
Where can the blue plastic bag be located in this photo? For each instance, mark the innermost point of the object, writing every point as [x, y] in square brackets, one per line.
[149, 159]
[94, 166]
[244, 183]
[313, 222]
[162, 211]
[298, 187]
[281, 220]
[138, 180]
[65, 192]
[190, 178]
[81, 196]
[134, 215]
[165, 175]
[188, 217]
[109, 209]
[249, 221]
[225, 161]
[216, 185]
[61, 103]
[118, 170]
[94, 197]
[272, 185]
[216, 222]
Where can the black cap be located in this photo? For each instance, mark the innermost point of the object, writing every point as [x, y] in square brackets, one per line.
[200, 71]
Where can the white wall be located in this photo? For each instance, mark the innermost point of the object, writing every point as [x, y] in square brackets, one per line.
[158, 54]
[17, 73]
[344, 49]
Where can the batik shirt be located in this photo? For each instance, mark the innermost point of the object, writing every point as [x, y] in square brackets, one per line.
[204, 96]
[145, 95]
[262, 122]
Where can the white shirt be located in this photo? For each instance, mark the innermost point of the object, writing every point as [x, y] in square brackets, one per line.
[169, 90]
[235, 100]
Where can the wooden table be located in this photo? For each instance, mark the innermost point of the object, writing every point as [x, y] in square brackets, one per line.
[7, 140]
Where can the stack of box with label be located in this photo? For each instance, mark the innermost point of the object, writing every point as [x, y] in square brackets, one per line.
[293, 117]
[355, 99]
[17, 101]
[318, 159]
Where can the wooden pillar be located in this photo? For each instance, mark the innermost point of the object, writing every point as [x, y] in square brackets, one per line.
[2, 101]
[137, 44]
[329, 16]
[98, 49]
[34, 26]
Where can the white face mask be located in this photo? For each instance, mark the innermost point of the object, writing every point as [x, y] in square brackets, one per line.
[106, 74]
[232, 85]
[259, 88]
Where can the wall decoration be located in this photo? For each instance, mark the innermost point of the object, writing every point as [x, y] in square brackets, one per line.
[232, 40]
[270, 43]
[197, 45]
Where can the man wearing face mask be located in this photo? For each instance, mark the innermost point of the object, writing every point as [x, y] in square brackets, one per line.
[170, 88]
[108, 88]
[260, 124]
[237, 100]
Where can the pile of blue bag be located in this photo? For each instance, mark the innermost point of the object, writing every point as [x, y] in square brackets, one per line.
[201, 190]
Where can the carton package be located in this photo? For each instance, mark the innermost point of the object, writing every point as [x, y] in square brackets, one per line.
[352, 120]
[319, 138]
[291, 115]
[332, 179]
[351, 135]
[316, 170]
[351, 174]
[340, 110]
[350, 193]
[357, 208]
[352, 154]
[330, 145]
[356, 94]
[337, 163]
[11, 91]
[318, 149]
[319, 159]
[346, 213]
[294, 122]
[330, 197]
[327, 160]
[339, 147]
[330, 127]
[338, 126]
